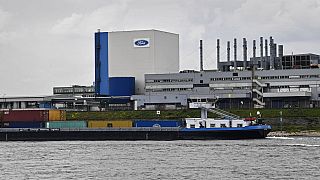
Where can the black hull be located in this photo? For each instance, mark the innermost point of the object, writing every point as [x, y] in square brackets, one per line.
[160, 135]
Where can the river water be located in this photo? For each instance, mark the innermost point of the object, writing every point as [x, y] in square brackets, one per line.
[297, 158]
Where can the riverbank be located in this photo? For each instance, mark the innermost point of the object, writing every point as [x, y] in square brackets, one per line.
[310, 133]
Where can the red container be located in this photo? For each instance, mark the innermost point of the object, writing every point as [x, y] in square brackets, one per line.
[25, 115]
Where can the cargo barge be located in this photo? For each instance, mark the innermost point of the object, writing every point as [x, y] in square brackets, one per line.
[127, 134]
[41, 126]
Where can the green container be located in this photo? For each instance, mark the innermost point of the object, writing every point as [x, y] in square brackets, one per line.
[66, 124]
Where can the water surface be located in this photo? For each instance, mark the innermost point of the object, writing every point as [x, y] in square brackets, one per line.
[270, 158]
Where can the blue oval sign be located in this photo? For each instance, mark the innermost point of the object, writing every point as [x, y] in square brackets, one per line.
[141, 42]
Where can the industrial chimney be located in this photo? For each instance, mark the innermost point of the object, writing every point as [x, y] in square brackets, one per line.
[272, 53]
[218, 54]
[280, 48]
[228, 51]
[201, 57]
[244, 54]
[254, 63]
[261, 53]
[235, 54]
[266, 61]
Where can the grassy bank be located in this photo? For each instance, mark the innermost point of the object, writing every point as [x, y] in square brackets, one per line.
[294, 120]
[177, 114]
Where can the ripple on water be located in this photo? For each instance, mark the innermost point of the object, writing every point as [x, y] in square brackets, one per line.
[244, 159]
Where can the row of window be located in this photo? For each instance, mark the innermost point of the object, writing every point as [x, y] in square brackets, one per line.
[235, 78]
[290, 77]
[230, 78]
[298, 86]
[168, 80]
[230, 88]
[214, 125]
[73, 90]
[168, 89]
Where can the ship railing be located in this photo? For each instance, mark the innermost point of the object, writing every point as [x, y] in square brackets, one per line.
[224, 114]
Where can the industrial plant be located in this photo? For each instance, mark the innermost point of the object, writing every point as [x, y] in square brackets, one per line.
[139, 70]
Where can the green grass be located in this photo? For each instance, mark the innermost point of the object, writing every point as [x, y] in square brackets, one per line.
[296, 119]
[178, 114]
[109, 115]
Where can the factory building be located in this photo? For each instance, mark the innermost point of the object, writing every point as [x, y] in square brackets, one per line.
[140, 70]
[243, 89]
[270, 80]
[133, 54]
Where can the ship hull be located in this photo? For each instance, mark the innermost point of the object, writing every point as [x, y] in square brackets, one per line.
[134, 134]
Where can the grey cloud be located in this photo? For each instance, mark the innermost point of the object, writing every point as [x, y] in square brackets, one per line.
[50, 43]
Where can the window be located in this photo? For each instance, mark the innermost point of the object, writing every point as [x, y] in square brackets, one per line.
[239, 125]
[223, 125]
[192, 126]
[109, 125]
[212, 125]
[201, 81]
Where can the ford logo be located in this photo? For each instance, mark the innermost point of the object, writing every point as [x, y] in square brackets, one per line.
[141, 42]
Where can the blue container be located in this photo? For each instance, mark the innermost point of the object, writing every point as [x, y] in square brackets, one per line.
[121, 86]
[23, 124]
[157, 123]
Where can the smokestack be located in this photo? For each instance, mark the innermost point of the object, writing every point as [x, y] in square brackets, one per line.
[254, 62]
[266, 54]
[280, 49]
[254, 49]
[272, 53]
[201, 57]
[218, 54]
[261, 52]
[235, 54]
[244, 54]
[228, 51]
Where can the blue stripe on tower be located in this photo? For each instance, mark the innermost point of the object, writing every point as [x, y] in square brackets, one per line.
[102, 73]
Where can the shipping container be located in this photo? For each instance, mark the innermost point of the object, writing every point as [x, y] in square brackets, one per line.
[66, 124]
[21, 124]
[157, 123]
[25, 115]
[104, 124]
[57, 115]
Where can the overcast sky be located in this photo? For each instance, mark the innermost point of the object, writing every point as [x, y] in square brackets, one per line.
[46, 43]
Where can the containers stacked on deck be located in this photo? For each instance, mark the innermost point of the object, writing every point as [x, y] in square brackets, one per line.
[57, 119]
[29, 118]
[66, 124]
[157, 123]
[110, 124]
